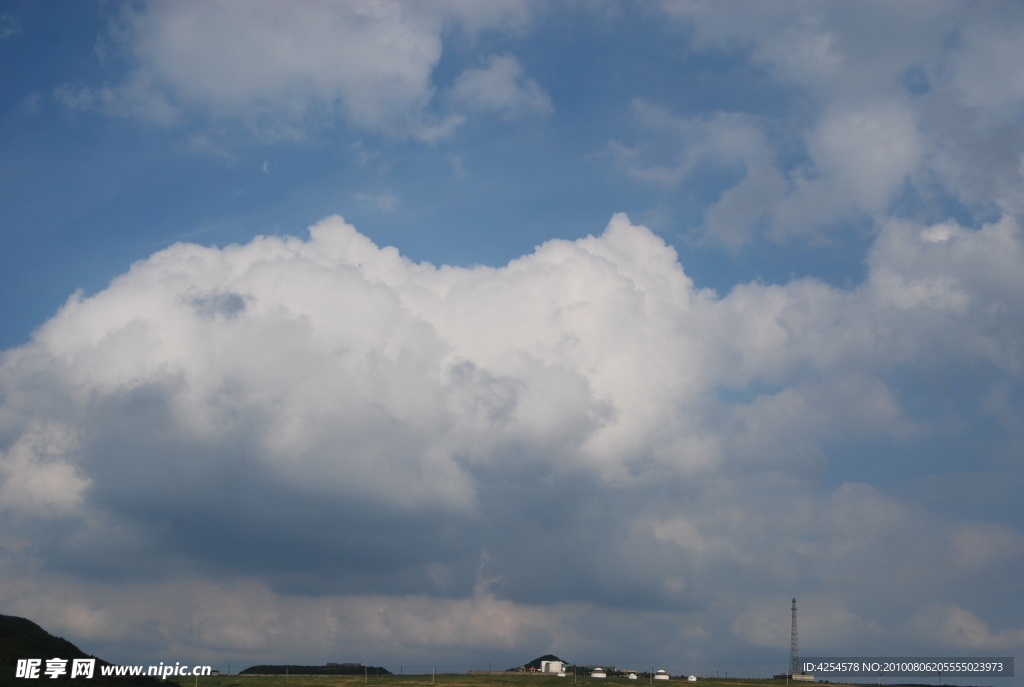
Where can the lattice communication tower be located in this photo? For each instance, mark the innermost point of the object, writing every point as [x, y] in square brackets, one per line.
[794, 646]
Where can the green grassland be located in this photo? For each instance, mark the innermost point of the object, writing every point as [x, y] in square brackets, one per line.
[475, 680]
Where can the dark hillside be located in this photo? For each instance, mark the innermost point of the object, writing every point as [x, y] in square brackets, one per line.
[22, 638]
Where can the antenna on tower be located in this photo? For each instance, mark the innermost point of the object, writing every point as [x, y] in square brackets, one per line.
[794, 646]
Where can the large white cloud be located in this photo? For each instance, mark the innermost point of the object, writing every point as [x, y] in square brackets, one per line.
[288, 418]
[285, 69]
[269, 448]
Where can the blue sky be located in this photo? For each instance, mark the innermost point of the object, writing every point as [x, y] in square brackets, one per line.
[547, 175]
[456, 332]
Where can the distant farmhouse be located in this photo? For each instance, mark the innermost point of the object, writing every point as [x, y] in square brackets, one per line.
[549, 663]
[553, 665]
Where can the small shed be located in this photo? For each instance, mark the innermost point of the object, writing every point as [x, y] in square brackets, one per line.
[598, 673]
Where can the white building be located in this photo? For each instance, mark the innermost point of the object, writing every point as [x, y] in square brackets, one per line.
[631, 676]
[692, 678]
[661, 675]
[552, 667]
[598, 673]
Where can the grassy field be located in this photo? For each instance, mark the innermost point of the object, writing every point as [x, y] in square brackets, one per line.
[486, 680]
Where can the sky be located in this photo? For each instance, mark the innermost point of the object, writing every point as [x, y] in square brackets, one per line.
[455, 333]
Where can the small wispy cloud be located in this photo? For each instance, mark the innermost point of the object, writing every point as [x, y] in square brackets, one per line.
[9, 26]
[203, 144]
[458, 165]
[501, 87]
[386, 202]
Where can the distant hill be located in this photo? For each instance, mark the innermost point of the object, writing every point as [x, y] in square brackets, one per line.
[22, 638]
[329, 669]
[535, 663]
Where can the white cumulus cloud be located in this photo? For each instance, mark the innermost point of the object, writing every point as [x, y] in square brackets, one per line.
[324, 417]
